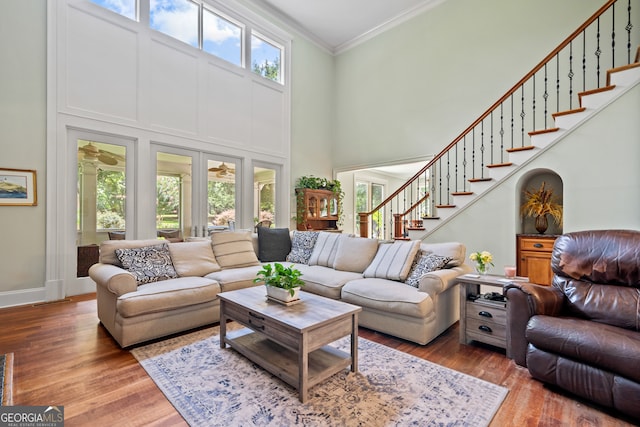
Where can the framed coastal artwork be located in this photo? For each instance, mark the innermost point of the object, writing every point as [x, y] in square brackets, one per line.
[18, 187]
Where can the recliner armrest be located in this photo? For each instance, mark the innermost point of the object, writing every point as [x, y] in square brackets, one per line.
[115, 279]
[526, 300]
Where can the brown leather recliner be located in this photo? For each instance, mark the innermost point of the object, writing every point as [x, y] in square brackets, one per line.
[582, 333]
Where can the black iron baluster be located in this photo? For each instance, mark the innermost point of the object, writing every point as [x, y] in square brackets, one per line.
[613, 35]
[598, 52]
[512, 122]
[481, 146]
[491, 146]
[628, 28]
[456, 168]
[545, 96]
[533, 103]
[464, 158]
[522, 115]
[558, 82]
[584, 61]
[448, 176]
[570, 75]
[473, 152]
[501, 127]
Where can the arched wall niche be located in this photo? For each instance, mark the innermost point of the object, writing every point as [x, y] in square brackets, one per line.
[532, 181]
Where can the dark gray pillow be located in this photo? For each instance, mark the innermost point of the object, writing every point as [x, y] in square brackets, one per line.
[274, 244]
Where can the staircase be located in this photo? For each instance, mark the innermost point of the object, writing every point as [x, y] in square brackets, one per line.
[517, 128]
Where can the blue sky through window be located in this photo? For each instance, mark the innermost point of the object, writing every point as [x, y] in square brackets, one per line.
[123, 7]
[221, 38]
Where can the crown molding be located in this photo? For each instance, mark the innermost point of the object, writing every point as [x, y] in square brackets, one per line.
[386, 26]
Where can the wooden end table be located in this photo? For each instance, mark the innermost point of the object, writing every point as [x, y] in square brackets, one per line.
[482, 319]
[291, 342]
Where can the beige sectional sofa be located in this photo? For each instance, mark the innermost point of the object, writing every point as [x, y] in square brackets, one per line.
[148, 289]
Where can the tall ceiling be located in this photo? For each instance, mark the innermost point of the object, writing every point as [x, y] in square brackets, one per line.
[338, 24]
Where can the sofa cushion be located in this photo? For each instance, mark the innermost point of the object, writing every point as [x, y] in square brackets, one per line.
[149, 263]
[302, 244]
[274, 244]
[388, 296]
[193, 258]
[325, 281]
[355, 254]
[235, 278]
[393, 261]
[234, 249]
[325, 249]
[108, 249]
[454, 250]
[425, 263]
[168, 295]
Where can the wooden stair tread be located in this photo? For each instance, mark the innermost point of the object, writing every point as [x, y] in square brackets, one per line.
[430, 217]
[564, 113]
[479, 179]
[621, 68]
[500, 165]
[516, 149]
[416, 228]
[598, 90]
[543, 131]
[462, 193]
[445, 206]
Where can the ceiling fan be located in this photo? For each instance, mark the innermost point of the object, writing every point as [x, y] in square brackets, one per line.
[91, 152]
[222, 170]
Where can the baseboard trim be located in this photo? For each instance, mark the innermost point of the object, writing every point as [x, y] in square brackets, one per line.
[22, 297]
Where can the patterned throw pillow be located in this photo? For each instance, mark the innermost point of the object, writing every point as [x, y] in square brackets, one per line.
[149, 263]
[302, 245]
[424, 263]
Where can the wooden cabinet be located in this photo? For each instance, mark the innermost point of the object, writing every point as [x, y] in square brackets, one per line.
[533, 252]
[317, 209]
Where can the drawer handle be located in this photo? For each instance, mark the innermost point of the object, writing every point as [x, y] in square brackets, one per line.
[484, 328]
[255, 316]
[538, 245]
[261, 327]
[485, 314]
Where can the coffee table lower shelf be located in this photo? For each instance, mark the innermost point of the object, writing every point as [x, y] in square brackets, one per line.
[284, 362]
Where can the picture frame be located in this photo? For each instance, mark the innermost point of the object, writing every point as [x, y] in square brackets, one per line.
[18, 187]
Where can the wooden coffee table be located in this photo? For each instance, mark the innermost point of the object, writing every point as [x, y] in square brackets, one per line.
[291, 341]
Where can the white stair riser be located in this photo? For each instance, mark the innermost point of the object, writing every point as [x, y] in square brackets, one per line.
[519, 157]
[626, 77]
[568, 121]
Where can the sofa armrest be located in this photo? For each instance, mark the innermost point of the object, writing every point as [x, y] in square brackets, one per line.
[524, 301]
[115, 279]
[439, 281]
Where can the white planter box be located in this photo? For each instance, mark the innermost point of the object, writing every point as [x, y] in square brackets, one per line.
[282, 294]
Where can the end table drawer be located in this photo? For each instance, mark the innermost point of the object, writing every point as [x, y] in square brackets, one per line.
[484, 328]
[486, 313]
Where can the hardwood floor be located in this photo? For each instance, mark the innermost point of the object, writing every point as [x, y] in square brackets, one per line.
[62, 356]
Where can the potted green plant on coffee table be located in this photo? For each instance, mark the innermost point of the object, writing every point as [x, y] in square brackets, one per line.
[282, 283]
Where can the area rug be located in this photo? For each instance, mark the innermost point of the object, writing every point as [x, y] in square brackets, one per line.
[214, 387]
[6, 379]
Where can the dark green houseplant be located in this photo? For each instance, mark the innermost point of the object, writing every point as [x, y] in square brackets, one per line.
[315, 183]
[279, 276]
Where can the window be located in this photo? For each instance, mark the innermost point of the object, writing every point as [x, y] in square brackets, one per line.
[202, 27]
[176, 18]
[266, 58]
[221, 37]
[368, 196]
[123, 7]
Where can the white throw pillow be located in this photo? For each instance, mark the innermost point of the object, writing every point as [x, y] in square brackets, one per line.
[193, 258]
[393, 261]
[355, 254]
[234, 249]
[325, 249]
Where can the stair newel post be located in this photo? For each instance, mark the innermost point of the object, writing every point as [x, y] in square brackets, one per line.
[397, 226]
[363, 224]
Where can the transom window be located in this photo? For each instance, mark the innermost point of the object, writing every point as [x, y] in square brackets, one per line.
[199, 25]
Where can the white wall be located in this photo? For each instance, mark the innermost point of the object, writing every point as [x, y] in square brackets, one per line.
[409, 91]
[22, 139]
